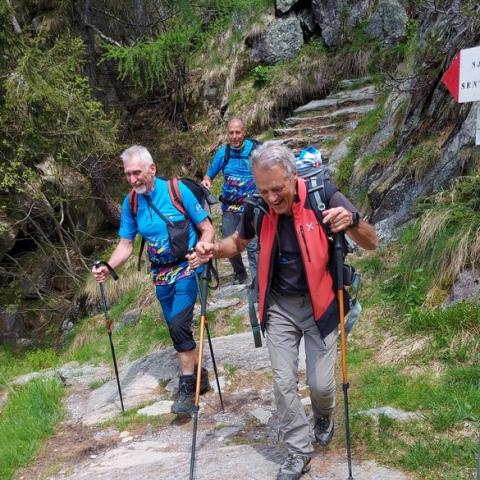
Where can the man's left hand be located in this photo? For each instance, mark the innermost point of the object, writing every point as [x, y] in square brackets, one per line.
[339, 218]
[193, 260]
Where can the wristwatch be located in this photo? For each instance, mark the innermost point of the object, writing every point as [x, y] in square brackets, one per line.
[355, 219]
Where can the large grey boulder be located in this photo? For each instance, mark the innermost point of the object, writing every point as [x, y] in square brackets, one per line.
[388, 22]
[282, 41]
[79, 203]
[284, 6]
[71, 373]
[337, 17]
[36, 269]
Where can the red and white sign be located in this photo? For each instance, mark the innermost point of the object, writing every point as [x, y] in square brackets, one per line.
[463, 76]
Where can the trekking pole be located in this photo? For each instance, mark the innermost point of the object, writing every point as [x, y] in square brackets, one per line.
[203, 290]
[340, 291]
[108, 323]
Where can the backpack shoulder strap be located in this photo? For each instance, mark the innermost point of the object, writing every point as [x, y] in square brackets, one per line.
[256, 143]
[259, 210]
[175, 197]
[133, 202]
[320, 190]
[226, 157]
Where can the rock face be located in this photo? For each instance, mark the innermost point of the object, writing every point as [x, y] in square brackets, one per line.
[282, 41]
[337, 17]
[466, 287]
[388, 22]
[397, 193]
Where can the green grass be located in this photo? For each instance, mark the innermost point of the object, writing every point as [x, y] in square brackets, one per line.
[360, 137]
[415, 448]
[442, 379]
[15, 363]
[235, 325]
[379, 158]
[230, 370]
[131, 420]
[90, 343]
[448, 401]
[29, 417]
[418, 160]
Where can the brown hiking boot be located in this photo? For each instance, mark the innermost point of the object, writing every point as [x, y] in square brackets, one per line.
[184, 399]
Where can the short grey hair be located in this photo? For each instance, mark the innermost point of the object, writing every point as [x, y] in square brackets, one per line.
[271, 154]
[137, 151]
[236, 119]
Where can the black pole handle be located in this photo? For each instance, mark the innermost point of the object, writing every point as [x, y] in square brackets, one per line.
[98, 263]
[338, 248]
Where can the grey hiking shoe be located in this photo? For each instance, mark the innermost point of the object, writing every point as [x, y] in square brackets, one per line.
[204, 383]
[294, 466]
[323, 429]
[184, 399]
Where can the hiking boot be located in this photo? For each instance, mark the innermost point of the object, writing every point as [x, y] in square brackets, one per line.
[240, 278]
[323, 429]
[184, 399]
[294, 466]
[204, 383]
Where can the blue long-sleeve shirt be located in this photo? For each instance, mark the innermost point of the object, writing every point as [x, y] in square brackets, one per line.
[238, 177]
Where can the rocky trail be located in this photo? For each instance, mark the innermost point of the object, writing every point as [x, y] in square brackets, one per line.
[326, 123]
[240, 443]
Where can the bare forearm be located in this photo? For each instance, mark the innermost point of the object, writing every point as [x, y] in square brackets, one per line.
[364, 235]
[207, 232]
[121, 253]
[229, 246]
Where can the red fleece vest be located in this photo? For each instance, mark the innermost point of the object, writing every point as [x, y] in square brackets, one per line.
[313, 243]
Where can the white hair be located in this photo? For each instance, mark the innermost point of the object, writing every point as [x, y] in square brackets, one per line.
[137, 151]
[271, 154]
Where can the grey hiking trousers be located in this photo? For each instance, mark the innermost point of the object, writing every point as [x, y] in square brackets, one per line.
[289, 317]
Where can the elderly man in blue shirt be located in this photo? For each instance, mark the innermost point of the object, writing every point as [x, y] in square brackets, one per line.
[233, 160]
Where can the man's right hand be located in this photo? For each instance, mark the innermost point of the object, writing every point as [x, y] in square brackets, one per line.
[204, 251]
[206, 182]
[100, 273]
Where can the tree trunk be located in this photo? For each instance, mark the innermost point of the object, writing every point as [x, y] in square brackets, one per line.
[89, 40]
[98, 174]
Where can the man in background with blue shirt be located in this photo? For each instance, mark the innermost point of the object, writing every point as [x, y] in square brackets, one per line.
[175, 283]
[233, 159]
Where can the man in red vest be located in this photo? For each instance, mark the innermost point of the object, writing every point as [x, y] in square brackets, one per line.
[296, 294]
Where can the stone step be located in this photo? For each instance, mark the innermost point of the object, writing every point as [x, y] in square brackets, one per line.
[297, 143]
[342, 98]
[348, 113]
[300, 142]
[310, 129]
[354, 82]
